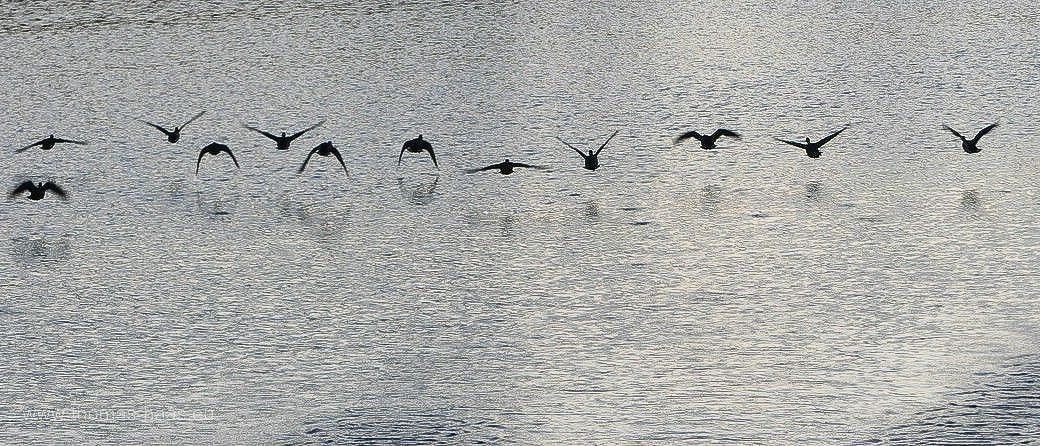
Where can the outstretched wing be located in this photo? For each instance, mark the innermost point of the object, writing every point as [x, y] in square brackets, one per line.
[335, 153]
[491, 167]
[270, 136]
[53, 187]
[529, 166]
[830, 137]
[951, 130]
[301, 132]
[403, 148]
[583, 155]
[59, 140]
[687, 135]
[199, 161]
[227, 150]
[725, 132]
[983, 132]
[25, 186]
[37, 143]
[429, 148]
[612, 135]
[157, 127]
[799, 145]
[306, 160]
[193, 118]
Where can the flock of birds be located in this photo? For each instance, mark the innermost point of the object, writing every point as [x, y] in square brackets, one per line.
[37, 191]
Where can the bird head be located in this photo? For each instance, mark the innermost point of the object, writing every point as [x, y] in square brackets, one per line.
[283, 134]
[807, 141]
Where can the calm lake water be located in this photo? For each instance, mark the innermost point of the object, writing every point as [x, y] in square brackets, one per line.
[886, 292]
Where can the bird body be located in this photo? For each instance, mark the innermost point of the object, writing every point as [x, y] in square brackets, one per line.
[174, 135]
[214, 149]
[417, 145]
[592, 158]
[324, 149]
[38, 190]
[505, 168]
[971, 145]
[48, 143]
[282, 142]
[707, 141]
[812, 149]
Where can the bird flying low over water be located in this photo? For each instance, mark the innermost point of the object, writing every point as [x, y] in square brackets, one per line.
[971, 145]
[324, 149]
[38, 190]
[417, 145]
[284, 141]
[592, 158]
[505, 168]
[214, 149]
[175, 134]
[707, 141]
[812, 149]
[48, 143]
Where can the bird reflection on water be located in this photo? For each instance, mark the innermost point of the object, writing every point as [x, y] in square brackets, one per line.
[419, 193]
[31, 249]
[814, 190]
[215, 207]
[971, 200]
[591, 210]
[711, 198]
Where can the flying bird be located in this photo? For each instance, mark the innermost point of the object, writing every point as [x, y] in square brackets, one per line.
[971, 145]
[48, 143]
[214, 149]
[324, 149]
[284, 141]
[592, 158]
[173, 135]
[812, 149]
[417, 145]
[505, 168]
[707, 141]
[38, 190]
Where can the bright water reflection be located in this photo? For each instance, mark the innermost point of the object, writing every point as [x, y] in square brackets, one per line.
[747, 294]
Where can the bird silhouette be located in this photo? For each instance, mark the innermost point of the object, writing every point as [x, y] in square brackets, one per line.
[324, 149]
[417, 145]
[214, 149]
[592, 158]
[284, 141]
[38, 190]
[812, 149]
[707, 141]
[173, 135]
[48, 143]
[971, 145]
[505, 168]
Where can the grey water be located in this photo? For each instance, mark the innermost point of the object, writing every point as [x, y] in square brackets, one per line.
[885, 293]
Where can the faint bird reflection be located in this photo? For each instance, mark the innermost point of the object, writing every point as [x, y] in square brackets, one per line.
[218, 208]
[591, 210]
[971, 200]
[421, 193]
[711, 198]
[30, 249]
[507, 225]
[813, 190]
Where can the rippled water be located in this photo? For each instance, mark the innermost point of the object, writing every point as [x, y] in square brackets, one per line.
[886, 292]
